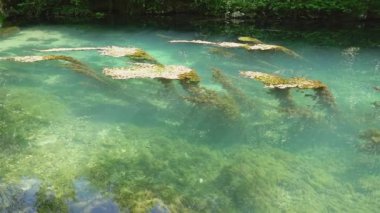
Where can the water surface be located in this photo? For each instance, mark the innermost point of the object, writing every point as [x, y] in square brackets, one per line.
[73, 144]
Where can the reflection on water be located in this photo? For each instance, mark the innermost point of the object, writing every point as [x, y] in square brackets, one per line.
[72, 144]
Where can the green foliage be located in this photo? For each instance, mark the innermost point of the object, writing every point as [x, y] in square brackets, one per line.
[298, 8]
[49, 8]
[256, 8]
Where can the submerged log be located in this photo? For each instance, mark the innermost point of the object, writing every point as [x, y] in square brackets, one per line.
[144, 70]
[278, 83]
[74, 64]
[113, 51]
[254, 47]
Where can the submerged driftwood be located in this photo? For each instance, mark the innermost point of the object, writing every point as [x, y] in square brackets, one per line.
[74, 64]
[278, 84]
[254, 47]
[113, 51]
[145, 70]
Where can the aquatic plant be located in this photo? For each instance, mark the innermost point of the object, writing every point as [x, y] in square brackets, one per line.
[279, 83]
[234, 91]
[249, 40]
[22, 113]
[370, 141]
[47, 201]
[201, 96]
[255, 47]
[113, 51]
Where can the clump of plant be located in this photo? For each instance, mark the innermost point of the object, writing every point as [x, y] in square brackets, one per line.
[47, 201]
[370, 141]
[203, 97]
[228, 85]
[280, 84]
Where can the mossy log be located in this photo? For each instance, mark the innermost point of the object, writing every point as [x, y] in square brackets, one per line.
[113, 51]
[279, 83]
[74, 64]
[145, 70]
[254, 47]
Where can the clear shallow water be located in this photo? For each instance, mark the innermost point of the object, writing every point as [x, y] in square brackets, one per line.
[70, 143]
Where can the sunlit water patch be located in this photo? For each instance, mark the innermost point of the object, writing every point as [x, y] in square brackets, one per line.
[78, 141]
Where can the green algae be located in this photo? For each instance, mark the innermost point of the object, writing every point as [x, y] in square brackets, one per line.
[370, 141]
[230, 87]
[22, 113]
[282, 85]
[249, 40]
[213, 100]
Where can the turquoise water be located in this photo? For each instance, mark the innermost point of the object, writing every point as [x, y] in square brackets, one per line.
[70, 143]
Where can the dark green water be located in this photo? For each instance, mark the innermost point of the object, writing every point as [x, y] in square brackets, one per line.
[69, 143]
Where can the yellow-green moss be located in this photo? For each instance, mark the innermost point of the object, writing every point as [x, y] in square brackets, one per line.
[191, 77]
[249, 39]
[209, 98]
[142, 56]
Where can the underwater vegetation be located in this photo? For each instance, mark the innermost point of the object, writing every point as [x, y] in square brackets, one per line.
[21, 116]
[207, 98]
[370, 141]
[229, 86]
[278, 83]
[249, 39]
